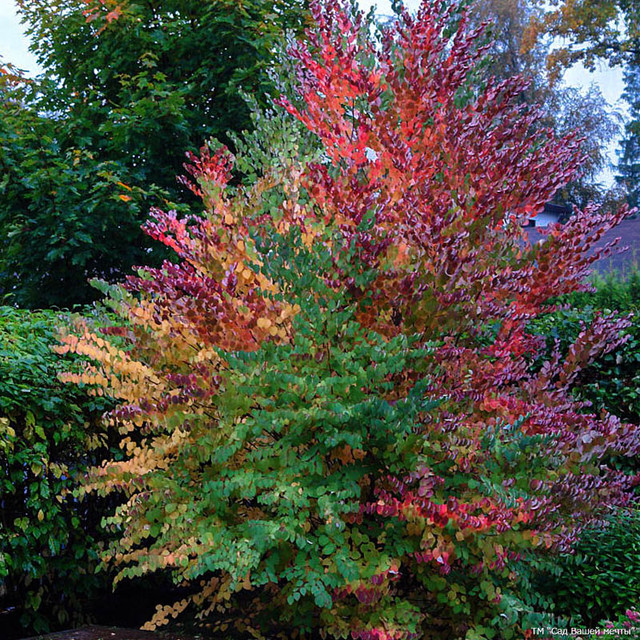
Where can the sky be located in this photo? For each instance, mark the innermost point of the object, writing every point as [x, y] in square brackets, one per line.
[14, 47]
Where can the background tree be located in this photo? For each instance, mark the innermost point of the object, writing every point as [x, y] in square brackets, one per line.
[629, 163]
[512, 52]
[65, 213]
[590, 30]
[593, 31]
[100, 138]
[507, 22]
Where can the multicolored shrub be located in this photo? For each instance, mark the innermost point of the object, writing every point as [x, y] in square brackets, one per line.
[328, 407]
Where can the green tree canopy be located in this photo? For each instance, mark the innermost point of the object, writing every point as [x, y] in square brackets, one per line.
[86, 150]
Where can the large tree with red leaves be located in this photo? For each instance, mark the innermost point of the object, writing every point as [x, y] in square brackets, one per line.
[333, 403]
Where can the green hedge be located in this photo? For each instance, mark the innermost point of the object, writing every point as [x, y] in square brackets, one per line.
[613, 381]
[611, 291]
[602, 579]
[49, 432]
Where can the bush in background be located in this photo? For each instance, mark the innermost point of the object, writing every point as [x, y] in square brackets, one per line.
[610, 291]
[612, 381]
[602, 579]
[49, 432]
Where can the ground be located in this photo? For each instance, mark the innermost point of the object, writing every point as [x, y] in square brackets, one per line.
[109, 633]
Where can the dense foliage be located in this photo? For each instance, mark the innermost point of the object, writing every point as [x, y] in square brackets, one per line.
[611, 291]
[65, 214]
[48, 433]
[327, 407]
[150, 79]
[602, 577]
[89, 147]
[629, 164]
[612, 381]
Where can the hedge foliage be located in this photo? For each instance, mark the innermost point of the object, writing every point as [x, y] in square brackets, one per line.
[49, 433]
[602, 579]
[88, 147]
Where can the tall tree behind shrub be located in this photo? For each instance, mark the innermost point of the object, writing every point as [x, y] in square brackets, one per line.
[512, 52]
[592, 31]
[49, 433]
[66, 214]
[88, 148]
[327, 405]
[629, 163]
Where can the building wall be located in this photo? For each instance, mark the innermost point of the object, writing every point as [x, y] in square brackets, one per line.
[544, 219]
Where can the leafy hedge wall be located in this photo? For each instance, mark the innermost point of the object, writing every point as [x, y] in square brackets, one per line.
[48, 433]
[602, 579]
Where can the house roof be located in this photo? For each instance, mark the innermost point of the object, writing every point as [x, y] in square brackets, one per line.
[622, 262]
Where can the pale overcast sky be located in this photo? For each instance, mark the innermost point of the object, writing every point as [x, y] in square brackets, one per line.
[14, 48]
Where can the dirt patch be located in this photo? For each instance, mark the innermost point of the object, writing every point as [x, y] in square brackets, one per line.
[110, 633]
